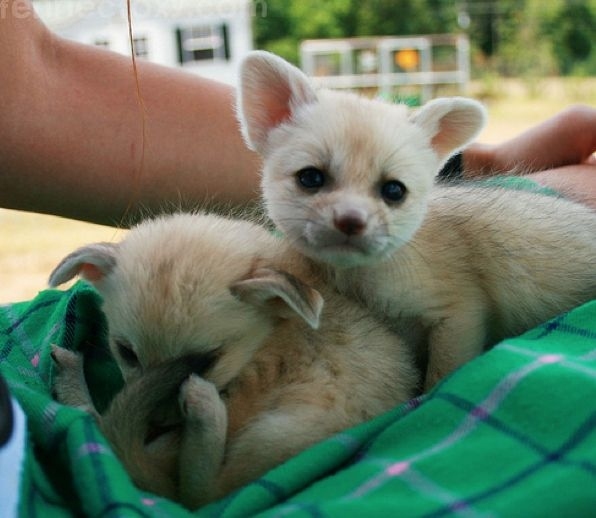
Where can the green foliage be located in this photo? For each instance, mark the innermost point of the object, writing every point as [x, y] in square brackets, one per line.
[527, 38]
[573, 31]
[405, 17]
[288, 22]
[315, 19]
[275, 24]
[523, 49]
[286, 48]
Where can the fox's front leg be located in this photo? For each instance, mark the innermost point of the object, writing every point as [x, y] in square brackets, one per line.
[203, 441]
[453, 342]
[69, 382]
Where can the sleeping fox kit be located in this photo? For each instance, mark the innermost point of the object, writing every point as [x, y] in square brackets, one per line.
[152, 421]
[351, 183]
[279, 370]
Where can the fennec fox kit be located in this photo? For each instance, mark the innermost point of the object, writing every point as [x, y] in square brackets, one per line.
[293, 370]
[154, 421]
[350, 182]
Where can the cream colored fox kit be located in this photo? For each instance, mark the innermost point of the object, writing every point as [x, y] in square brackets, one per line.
[351, 183]
[292, 369]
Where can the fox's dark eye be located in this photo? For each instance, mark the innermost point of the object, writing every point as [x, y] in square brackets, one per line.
[311, 178]
[393, 191]
[127, 353]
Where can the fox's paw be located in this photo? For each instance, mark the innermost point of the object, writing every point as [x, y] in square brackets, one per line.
[200, 401]
[69, 386]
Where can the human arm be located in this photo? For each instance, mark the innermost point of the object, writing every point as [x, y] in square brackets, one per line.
[567, 138]
[72, 136]
[557, 153]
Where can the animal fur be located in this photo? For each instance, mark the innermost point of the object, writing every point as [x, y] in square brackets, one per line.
[293, 370]
[351, 183]
[150, 422]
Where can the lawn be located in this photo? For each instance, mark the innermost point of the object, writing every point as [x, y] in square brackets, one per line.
[32, 244]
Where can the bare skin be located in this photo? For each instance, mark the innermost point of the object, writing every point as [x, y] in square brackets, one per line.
[556, 153]
[72, 126]
[71, 131]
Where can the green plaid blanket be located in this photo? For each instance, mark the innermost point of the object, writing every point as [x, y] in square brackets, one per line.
[513, 433]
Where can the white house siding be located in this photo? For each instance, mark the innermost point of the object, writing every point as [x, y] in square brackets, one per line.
[95, 21]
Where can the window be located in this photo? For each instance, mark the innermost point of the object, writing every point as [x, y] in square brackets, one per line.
[141, 46]
[102, 42]
[203, 43]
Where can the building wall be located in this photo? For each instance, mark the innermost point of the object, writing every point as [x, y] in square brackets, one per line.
[95, 22]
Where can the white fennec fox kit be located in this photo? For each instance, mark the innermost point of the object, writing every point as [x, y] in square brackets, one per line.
[292, 369]
[351, 183]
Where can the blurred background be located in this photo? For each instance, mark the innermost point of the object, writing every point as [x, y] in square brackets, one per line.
[526, 59]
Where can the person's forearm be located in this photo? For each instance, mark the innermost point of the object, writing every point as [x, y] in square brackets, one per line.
[71, 136]
[568, 138]
[556, 153]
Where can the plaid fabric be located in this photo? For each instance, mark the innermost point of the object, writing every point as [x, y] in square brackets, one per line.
[513, 433]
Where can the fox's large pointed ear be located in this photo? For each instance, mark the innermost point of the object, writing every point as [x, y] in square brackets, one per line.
[92, 262]
[282, 294]
[451, 123]
[271, 89]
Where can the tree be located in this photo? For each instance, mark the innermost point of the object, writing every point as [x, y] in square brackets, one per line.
[288, 23]
[514, 37]
[572, 36]
[406, 17]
